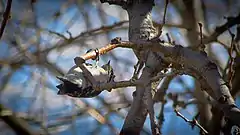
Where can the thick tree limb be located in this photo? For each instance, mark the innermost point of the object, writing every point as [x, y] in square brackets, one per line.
[198, 65]
[193, 63]
[236, 78]
[141, 29]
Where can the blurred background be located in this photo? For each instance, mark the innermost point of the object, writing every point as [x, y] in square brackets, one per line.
[42, 37]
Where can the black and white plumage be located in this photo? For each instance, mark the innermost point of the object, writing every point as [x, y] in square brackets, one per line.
[75, 84]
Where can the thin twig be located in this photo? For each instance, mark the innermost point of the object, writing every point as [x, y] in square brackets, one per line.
[231, 61]
[165, 11]
[5, 17]
[201, 34]
[219, 30]
[168, 38]
[161, 114]
[193, 122]
[164, 21]
[202, 46]
[56, 33]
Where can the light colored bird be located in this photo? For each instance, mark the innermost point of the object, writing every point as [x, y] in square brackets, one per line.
[75, 84]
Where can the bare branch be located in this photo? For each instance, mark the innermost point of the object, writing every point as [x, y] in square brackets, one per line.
[231, 62]
[163, 22]
[193, 122]
[6, 16]
[219, 30]
[19, 126]
[198, 65]
[121, 84]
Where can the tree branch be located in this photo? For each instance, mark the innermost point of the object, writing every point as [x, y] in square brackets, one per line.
[193, 122]
[121, 84]
[19, 126]
[6, 16]
[198, 65]
[219, 30]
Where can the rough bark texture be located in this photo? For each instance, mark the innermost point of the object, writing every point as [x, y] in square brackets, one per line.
[204, 108]
[189, 19]
[190, 61]
[236, 79]
[141, 30]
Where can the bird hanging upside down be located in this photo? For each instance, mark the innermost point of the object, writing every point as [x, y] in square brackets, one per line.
[75, 84]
